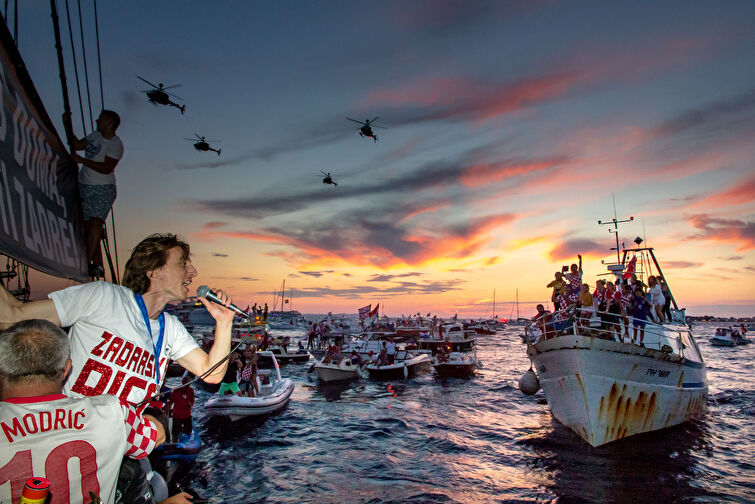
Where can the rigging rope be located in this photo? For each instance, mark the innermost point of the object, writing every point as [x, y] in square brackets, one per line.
[99, 60]
[102, 102]
[84, 61]
[75, 67]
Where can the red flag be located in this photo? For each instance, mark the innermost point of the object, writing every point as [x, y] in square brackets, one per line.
[630, 268]
[374, 311]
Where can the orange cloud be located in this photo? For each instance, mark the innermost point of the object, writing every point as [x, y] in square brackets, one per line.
[732, 231]
[740, 194]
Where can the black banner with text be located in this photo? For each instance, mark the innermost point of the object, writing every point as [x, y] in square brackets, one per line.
[40, 208]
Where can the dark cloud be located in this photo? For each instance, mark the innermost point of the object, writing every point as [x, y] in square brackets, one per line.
[402, 288]
[735, 231]
[389, 278]
[316, 274]
[218, 254]
[568, 250]
[717, 114]
[432, 175]
[732, 258]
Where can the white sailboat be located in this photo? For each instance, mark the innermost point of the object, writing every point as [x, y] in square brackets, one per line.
[605, 388]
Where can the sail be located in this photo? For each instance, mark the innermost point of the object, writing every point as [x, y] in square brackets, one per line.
[40, 215]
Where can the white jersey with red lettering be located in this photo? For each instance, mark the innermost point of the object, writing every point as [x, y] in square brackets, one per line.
[77, 444]
[111, 350]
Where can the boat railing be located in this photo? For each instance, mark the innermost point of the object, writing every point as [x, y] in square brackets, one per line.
[666, 338]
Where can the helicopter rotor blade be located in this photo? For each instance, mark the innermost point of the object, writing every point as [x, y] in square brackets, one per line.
[374, 119]
[171, 87]
[360, 122]
[381, 127]
[173, 95]
[148, 82]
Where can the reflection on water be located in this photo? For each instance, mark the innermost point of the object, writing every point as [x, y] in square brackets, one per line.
[477, 440]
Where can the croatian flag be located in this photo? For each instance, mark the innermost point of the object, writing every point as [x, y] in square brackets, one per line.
[630, 268]
[364, 311]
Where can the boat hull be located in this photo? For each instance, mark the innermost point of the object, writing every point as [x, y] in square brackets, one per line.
[333, 374]
[447, 370]
[400, 369]
[237, 407]
[608, 390]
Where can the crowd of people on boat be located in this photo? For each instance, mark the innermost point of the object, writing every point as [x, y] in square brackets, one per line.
[611, 308]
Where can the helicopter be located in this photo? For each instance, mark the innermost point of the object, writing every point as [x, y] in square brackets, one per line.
[366, 129]
[203, 145]
[159, 95]
[328, 179]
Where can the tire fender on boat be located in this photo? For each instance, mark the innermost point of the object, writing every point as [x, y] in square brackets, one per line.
[406, 371]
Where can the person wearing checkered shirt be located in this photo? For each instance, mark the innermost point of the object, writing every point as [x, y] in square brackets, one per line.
[41, 430]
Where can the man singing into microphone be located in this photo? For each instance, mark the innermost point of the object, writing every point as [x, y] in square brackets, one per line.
[121, 341]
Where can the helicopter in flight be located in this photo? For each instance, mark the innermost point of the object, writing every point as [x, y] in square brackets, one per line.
[203, 145]
[366, 129]
[328, 179]
[159, 95]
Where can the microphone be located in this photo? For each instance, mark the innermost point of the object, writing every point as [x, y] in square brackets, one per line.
[205, 292]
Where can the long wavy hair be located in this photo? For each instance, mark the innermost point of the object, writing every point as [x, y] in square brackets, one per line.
[150, 254]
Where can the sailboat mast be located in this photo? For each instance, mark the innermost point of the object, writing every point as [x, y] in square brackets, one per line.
[517, 303]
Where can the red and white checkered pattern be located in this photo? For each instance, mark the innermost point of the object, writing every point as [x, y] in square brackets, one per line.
[141, 434]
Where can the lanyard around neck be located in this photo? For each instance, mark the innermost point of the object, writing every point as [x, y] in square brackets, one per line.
[157, 346]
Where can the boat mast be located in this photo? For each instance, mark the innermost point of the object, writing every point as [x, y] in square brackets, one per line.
[517, 303]
[615, 222]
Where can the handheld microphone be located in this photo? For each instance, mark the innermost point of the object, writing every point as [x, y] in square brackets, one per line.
[205, 292]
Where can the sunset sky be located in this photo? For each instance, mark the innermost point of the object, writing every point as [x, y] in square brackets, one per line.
[510, 125]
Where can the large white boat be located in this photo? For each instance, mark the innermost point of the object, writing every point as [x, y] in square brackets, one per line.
[605, 387]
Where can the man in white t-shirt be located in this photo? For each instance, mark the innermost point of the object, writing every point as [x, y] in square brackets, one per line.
[103, 149]
[77, 444]
[113, 350]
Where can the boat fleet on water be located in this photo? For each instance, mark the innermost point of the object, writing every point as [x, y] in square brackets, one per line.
[597, 379]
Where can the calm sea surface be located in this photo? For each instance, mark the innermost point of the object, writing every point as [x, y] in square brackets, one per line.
[475, 440]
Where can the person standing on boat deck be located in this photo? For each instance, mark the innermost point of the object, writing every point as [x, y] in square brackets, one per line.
[574, 277]
[558, 286]
[229, 384]
[667, 297]
[103, 149]
[627, 299]
[249, 373]
[640, 310]
[585, 305]
[179, 405]
[613, 308]
[656, 298]
[97, 431]
[390, 350]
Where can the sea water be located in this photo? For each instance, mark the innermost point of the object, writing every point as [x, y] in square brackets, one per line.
[475, 440]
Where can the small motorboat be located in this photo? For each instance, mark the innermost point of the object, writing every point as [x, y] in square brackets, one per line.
[345, 369]
[729, 336]
[284, 355]
[455, 364]
[186, 449]
[274, 394]
[406, 364]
